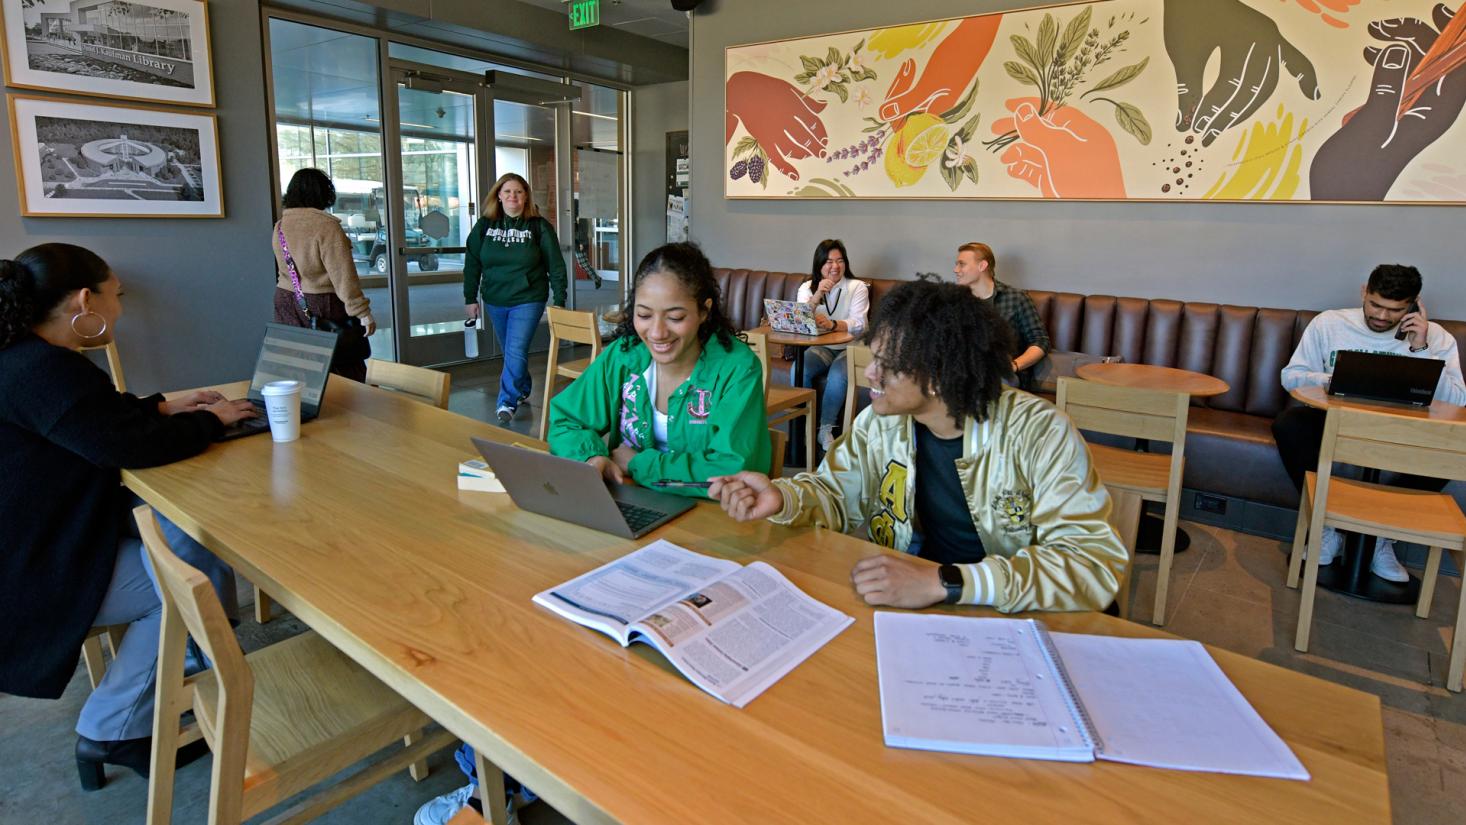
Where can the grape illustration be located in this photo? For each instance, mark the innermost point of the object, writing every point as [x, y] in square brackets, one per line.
[755, 169]
[739, 170]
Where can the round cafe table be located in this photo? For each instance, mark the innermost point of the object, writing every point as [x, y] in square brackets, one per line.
[1352, 576]
[1167, 379]
[799, 342]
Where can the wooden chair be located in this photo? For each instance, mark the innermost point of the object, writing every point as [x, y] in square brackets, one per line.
[1400, 443]
[91, 650]
[1126, 507]
[421, 383]
[577, 327]
[114, 363]
[857, 358]
[1152, 415]
[784, 404]
[279, 720]
[777, 440]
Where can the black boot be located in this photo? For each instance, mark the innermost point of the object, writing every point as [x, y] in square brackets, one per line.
[136, 754]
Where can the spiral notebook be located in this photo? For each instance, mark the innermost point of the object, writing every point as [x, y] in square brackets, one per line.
[1009, 687]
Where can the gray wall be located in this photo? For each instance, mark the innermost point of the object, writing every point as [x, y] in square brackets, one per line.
[198, 291]
[1295, 256]
[655, 111]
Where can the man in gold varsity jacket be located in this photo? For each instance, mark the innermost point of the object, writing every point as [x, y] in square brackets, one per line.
[990, 488]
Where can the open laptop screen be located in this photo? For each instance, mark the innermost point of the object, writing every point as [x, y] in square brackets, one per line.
[293, 353]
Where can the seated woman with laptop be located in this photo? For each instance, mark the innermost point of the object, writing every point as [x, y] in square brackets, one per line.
[71, 559]
[841, 303]
[679, 395]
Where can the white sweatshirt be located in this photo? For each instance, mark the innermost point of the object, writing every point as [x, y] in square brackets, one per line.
[1345, 329]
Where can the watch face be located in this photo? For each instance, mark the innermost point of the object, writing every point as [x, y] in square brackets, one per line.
[951, 575]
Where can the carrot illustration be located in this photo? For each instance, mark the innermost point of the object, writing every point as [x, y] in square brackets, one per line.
[947, 74]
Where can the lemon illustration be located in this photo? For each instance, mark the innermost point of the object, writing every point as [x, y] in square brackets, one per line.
[890, 42]
[918, 143]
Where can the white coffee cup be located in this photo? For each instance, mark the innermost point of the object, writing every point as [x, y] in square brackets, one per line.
[282, 406]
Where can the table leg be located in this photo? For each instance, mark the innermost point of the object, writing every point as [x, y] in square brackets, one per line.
[795, 451]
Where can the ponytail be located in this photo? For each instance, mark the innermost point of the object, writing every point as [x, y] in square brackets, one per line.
[38, 280]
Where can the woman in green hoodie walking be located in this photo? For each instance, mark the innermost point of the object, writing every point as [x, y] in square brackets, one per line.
[681, 397]
[514, 264]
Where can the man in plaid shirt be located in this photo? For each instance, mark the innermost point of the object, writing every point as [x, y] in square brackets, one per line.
[975, 269]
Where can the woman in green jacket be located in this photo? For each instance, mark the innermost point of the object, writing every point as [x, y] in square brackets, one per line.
[681, 397]
[513, 263]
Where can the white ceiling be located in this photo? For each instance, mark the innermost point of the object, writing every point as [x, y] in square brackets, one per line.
[655, 19]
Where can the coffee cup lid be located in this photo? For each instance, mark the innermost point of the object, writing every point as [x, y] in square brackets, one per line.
[280, 388]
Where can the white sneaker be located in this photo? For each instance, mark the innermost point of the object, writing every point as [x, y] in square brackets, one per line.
[826, 437]
[439, 811]
[1330, 544]
[1385, 565]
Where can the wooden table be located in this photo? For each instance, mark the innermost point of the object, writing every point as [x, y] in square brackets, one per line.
[359, 530]
[799, 342]
[1152, 377]
[1352, 577]
[1166, 379]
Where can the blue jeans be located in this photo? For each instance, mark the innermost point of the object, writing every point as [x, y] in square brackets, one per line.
[122, 705]
[514, 327]
[829, 365]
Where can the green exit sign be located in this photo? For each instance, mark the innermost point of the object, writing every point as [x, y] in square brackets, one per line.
[584, 14]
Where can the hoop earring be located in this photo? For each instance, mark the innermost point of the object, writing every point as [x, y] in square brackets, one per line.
[98, 334]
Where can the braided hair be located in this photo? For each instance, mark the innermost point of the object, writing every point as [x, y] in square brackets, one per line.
[686, 263]
[947, 340]
[38, 280]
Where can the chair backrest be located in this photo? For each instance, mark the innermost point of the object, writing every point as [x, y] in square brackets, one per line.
[576, 326]
[422, 383]
[114, 363]
[1133, 413]
[190, 607]
[1401, 443]
[777, 438]
[759, 343]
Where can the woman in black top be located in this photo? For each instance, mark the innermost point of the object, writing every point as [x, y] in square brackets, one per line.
[68, 556]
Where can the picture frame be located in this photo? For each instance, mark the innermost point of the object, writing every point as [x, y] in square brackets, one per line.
[99, 160]
[156, 51]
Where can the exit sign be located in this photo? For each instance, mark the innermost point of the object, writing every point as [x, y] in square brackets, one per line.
[584, 14]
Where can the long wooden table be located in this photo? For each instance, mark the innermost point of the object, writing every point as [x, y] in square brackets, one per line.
[359, 529]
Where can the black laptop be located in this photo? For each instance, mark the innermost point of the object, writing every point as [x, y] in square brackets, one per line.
[288, 354]
[1378, 376]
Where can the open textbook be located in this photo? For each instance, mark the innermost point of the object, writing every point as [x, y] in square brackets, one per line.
[1008, 687]
[732, 630]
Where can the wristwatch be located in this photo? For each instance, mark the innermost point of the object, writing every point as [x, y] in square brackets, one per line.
[951, 576]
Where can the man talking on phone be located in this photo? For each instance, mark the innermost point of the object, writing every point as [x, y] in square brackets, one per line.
[1392, 321]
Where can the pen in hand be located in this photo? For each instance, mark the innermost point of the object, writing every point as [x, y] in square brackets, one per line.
[667, 482]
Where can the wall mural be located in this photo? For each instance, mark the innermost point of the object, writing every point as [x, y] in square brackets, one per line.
[1262, 100]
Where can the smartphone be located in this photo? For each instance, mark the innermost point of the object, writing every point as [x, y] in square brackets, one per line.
[1400, 333]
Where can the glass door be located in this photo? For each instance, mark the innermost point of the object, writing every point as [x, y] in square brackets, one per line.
[434, 174]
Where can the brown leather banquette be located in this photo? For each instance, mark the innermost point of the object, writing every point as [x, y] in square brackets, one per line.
[1229, 448]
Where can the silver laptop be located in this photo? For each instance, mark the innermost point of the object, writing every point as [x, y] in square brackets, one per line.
[288, 353]
[574, 491]
[790, 316]
[1379, 376]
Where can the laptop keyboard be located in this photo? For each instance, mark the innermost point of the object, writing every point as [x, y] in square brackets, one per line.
[639, 517]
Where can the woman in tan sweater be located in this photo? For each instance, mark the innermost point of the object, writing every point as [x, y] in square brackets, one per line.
[327, 273]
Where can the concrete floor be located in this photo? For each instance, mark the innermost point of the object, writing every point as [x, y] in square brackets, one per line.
[1227, 590]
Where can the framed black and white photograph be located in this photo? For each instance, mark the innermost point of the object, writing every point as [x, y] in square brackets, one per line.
[148, 50]
[99, 160]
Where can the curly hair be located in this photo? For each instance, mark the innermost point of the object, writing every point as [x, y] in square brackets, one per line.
[1395, 282]
[822, 254]
[946, 340]
[686, 263]
[38, 280]
[309, 189]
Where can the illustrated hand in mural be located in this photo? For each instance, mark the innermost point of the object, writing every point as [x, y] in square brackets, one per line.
[947, 74]
[1064, 154]
[784, 121]
[1253, 55]
[1362, 160]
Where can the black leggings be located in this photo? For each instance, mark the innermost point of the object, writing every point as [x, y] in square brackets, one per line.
[1299, 434]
